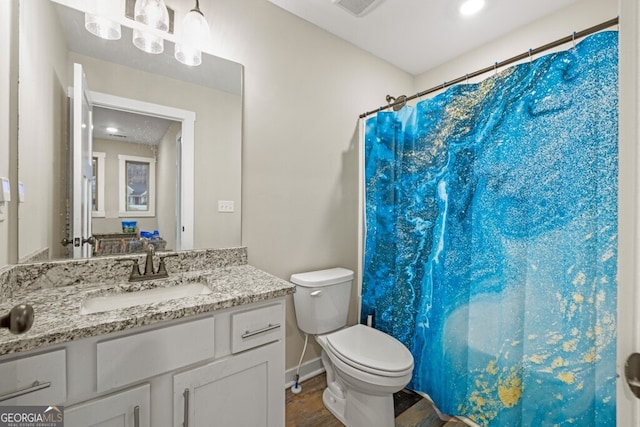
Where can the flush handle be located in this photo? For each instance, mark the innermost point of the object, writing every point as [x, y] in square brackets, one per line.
[316, 293]
[632, 373]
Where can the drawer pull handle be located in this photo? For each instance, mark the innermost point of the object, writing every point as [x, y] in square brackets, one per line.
[136, 416]
[186, 408]
[34, 387]
[271, 327]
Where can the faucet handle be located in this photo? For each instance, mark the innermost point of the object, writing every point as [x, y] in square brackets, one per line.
[135, 268]
[162, 268]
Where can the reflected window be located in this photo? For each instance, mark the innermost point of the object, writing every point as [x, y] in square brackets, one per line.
[98, 183]
[137, 186]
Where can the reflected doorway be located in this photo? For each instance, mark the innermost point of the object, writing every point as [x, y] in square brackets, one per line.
[143, 156]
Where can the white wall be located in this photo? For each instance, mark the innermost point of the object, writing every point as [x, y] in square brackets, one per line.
[628, 329]
[7, 39]
[43, 73]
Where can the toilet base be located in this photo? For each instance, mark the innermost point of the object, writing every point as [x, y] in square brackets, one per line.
[360, 410]
[334, 404]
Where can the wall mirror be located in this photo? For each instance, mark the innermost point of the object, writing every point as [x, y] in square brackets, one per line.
[147, 109]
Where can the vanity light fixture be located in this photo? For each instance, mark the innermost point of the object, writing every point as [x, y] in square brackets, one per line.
[112, 129]
[471, 7]
[154, 14]
[193, 32]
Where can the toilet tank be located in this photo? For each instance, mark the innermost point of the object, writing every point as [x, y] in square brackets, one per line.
[322, 299]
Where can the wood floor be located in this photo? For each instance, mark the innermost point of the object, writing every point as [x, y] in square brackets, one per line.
[307, 410]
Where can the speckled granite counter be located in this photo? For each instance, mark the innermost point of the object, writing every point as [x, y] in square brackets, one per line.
[56, 293]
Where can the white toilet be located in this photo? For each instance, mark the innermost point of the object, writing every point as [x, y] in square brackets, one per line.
[364, 366]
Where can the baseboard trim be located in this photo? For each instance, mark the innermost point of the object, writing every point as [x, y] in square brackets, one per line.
[308, 370]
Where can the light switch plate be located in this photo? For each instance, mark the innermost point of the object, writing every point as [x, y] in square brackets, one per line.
[225, 206]
[20, 192]
[5, 186]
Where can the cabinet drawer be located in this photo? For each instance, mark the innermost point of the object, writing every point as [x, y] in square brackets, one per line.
[135, 357]
[34, 380]
[256, 327]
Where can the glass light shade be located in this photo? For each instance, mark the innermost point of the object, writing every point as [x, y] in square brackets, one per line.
[152, 13]
[188, 55]
[148, 42]
[194, 35]
[102, 27]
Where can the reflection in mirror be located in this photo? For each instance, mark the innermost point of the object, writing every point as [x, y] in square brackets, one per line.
[52, 39]
[129, 151]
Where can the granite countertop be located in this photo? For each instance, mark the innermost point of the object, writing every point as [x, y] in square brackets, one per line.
[57, 317]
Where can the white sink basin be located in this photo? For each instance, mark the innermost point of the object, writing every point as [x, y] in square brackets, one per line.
[129, 299]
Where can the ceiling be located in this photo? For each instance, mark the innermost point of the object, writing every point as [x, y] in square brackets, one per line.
[134, 128]
[418, 35]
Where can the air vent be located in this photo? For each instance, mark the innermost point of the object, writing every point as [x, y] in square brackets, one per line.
[357, 7]
[117, 136]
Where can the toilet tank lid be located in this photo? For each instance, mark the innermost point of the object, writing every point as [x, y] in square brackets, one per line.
[326, 277]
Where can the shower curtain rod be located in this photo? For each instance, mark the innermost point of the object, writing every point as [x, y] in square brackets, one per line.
[402, 100]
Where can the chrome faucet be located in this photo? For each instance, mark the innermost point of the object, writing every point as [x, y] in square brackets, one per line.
[149, 272]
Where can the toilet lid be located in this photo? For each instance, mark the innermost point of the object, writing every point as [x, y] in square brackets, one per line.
[371, 350]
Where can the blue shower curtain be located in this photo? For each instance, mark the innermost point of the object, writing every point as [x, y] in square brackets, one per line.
[491, 240]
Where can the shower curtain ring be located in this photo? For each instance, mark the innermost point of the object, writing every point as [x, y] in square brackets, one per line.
[573, 39]
[495, 68]
[390, 100]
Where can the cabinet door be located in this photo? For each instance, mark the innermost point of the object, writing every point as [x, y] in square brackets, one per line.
[246, 389]
[129, 408]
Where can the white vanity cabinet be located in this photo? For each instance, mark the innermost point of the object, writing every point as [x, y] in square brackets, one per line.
[221, 368]
[129, 408]
[245, 388]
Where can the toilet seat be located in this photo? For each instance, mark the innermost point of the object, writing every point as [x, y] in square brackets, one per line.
[370, 350]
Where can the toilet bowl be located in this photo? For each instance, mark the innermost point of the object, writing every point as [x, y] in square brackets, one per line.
[364, 366]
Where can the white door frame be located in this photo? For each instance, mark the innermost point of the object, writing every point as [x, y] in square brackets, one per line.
[184, 239]
[81, 163]
[628, 328]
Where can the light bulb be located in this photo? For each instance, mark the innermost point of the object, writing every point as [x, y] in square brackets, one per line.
[471, 7]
